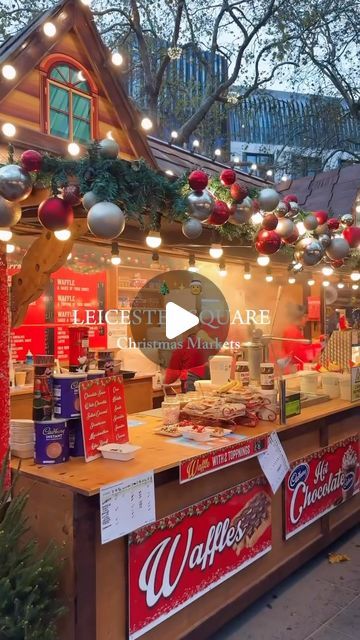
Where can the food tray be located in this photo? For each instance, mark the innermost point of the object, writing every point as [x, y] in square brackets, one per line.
[114, 451]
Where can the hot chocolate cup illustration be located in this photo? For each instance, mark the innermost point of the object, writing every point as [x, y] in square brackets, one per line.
[349, 470]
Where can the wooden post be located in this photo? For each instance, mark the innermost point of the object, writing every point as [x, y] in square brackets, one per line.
[4, 356]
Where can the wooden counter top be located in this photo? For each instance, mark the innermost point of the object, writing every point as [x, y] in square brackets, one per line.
[157, 453]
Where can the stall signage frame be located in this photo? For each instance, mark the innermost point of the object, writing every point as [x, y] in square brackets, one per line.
[319, 483]
[212, 461]
[103, 414]
[180, 557]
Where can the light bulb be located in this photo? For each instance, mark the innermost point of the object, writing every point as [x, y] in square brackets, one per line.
[196, 144]
[216, 250]
[5, 235]
[115, 260]
[69, 256]
[62, 234]
[222, 272]
[327, 271]
[269, 172]
[87, 3]
[253, 167]
[236, 160]
[285, 178]
[10, 248]
[222, 268]
[311, 282]
[217, 153]
[340, 285]
[117, 59]
[193, 268]
[355, 276]
[49, 29]
[256, 218]
[174, 135]
[73, 149]
[355, 286]
[298, 266]
[153, 239]
[301, 228]
[169, 172]
[247, 272]
[146, 124]
[291, 280]
[326, 283]
[8, 71]
[8, 130]
[269, 277]
[263, 261]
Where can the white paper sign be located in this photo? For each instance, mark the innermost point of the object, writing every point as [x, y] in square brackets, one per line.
[274, 462]
[126, 506]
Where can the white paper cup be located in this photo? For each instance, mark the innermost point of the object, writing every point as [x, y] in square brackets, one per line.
[20, 378]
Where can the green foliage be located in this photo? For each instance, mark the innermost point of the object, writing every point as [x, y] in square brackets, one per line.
[29, 608]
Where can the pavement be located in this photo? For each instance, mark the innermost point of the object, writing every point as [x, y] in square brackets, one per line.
[320, 601]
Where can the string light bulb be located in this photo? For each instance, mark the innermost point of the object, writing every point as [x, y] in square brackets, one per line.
[73, 149]
[236, 160]
[269, 277]
[253, 167]
[153, 239]
[174, 135]
[117, 59]
[115, 257]
[269, 173]
[5, 235]
[355, 286]
[311, 281]
[326, 283]
[216, 251]
[291, 280]
[146, 124]
[340, 284]
[8, 130]
[355, 276]
[49, 29]
[8, 72]
[10, 248]
[222, 268]
[155, 261]
[196, 144]
[263, 261]
[298, 267]
[217, 153]
[192, 264]
[62, 234]
[327, 271]
[247, 272]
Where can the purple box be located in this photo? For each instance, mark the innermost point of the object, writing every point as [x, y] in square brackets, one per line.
[51, 442]
[66, 394]
[76, 444]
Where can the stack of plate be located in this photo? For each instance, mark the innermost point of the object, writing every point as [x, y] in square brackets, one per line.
[22, 437]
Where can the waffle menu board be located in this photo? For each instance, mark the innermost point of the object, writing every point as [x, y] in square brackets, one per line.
[45, 326]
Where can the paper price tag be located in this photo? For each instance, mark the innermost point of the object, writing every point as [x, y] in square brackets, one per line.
[274, 462]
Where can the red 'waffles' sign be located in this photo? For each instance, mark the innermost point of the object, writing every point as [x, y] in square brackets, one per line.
[320, 482]
[103, 414]
[177, 559]
[225, 457]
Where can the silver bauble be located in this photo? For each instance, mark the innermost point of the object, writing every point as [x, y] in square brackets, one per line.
[347, 219]
[313, 253]
[106, 220]
[324, 240]
[310, 223]
[89, 199]
[201, 204]
[285, 228]
[108, 148]
[331, 294]
[281, 210]
[293, 211]
[15, 183]
[268, 199]
[247, 205]
[300, 248]
[338, 248]
[192, 228]
[9, 214]
[323, 229]
[240, 214]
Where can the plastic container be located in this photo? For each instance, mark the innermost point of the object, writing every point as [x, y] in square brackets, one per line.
[345, 386]
[330, 384]
[220, 369]
[199, 436]
[170, 410]
[115, 451]
[308, 381]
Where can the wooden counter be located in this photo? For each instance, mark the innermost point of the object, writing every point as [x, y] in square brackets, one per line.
[63, 506]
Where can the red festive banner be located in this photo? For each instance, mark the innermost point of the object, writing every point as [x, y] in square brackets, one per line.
[4, 360]
[177, 559]
[320, 482]
[225, 457]
[103, 414]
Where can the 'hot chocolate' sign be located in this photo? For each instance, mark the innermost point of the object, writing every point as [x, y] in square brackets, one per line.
[177, 559]
[319, 483]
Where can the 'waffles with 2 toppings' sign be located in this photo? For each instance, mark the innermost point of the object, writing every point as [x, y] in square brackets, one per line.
[320, 482]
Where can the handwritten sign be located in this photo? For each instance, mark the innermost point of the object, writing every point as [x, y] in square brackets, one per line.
[126, 506]
[274, 462]
[103, 414]
[225, 457]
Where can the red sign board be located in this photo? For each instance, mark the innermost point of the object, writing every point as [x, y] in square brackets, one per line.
[177, 559]
[103, 414]
[225, 457]
[320, 482]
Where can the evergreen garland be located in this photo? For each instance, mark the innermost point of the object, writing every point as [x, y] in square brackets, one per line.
[29, 608]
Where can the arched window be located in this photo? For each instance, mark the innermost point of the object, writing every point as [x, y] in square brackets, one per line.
[70, 106]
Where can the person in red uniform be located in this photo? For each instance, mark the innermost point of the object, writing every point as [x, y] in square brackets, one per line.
[295, 331]
[189, 362]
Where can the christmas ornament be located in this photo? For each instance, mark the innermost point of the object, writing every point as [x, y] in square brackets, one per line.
[164, 289]
[239, 214]
[352, 235]
[89, 199]
[15, 183]
[220, 213]
[310, 223]
[321, 216]
[192, 228]
[227, 177]
[313, 253]
[294, 210]
[198, 180]
[268, 199]
[281, 210]
[293, 238]
[71, 194]
[238, 192]
[324, 240]
[322, 229]
[195, 287]
[347, 219]
[333, 224]
[255, 204]
[270, 222]
[31, 160]
[55, 214]
[331, 294]
[290, 198]
[108, 148]
[338, 248]
[201, 204]
[285, 228]
[106, 220]
[9, 215]
[336, 264]
[267, 242]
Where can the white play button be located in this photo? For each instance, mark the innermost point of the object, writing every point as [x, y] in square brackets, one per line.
[178, 320]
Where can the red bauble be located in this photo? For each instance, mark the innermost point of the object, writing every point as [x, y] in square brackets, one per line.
[55, 214]
[31, 160]
[267, 242]
[71, 195]
[337, 263]
[227, 177]
[238, 192]
[220, 213]
[333, 224]
[198, 180]
[352, 235]
[321, 216]
[290, 198]
[293, 238]
[269, 222]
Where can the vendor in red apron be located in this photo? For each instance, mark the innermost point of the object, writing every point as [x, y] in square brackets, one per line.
[188, 363]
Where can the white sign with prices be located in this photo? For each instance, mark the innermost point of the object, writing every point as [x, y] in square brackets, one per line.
[274, 462]
[126, 505]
